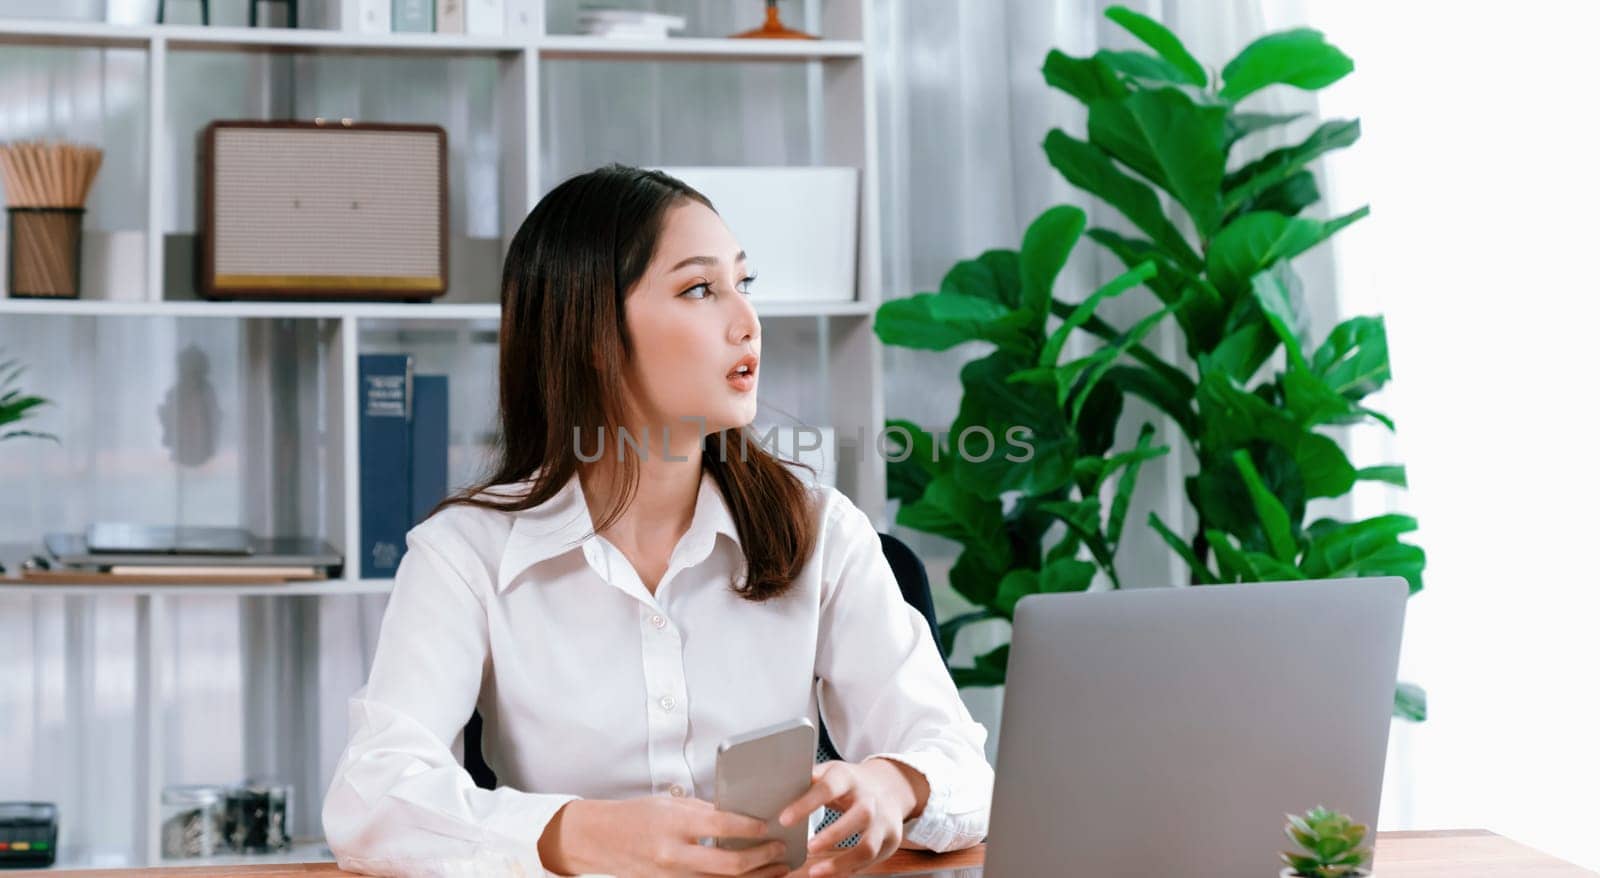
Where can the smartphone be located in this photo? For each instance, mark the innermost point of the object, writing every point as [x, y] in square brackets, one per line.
[761, 772]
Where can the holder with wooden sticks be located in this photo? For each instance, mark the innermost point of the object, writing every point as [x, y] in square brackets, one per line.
[46, 186]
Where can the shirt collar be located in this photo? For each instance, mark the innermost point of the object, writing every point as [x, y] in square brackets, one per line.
[562, 524]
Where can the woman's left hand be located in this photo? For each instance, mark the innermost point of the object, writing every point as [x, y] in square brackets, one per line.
[875, 798]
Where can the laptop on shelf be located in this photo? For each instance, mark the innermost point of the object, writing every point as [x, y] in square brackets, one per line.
[127, 539]
[72, 550]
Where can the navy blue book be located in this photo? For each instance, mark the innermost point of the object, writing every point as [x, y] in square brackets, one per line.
[430, 443]
[385, 390]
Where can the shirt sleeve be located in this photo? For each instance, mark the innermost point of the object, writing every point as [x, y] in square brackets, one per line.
[884, 692]
[400, 804]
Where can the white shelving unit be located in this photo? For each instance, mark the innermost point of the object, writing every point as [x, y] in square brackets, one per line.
[840, 111]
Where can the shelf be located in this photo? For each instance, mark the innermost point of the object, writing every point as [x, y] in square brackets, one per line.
[288, 589]
[337, 310]
[95, 34]
[562, 47]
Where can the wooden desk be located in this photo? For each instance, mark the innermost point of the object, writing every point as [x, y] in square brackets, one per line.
[1461, 853]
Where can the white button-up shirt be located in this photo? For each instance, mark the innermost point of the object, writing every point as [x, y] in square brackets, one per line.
[591, 686]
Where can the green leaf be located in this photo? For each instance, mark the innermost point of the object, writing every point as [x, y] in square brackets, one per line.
[1394, 474]
[910, 474]
[1140, 68]
[1150, 32]
[1167, 282]
[1273, 298]
[992, 401]
[1199, 571]
[1109, 356]
[906, 481]
[1266, 568]
[973, 577]
[1142, 451]
[1219, 494]
[1097, 429]
[1174, 401]
[1254, 242]
[1289, 196]
[970, 678]
[1099, 328]
[1045, 247]
[1084, 311]
[1087, 79]
[1273, 517]
[1229, 417]
[1087, 167]
[1242, 352]
[1354, 360]
[1313, 402]
[1299, 57]
[986, 277]
[995, 659]
[949, 511]
[1042, 470]
[1410, 702]
[1367, 548]
[1170, 141]
[1082, 518]
[949, 628]
[1242, 125]
[1230, 561]
[1064, 575]
[1013, 587]
[939, 321]
[1280, 164]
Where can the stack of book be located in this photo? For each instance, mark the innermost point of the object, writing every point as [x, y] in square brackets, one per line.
[485, 18]
[146, 552]
[404, 447]
[602, 21]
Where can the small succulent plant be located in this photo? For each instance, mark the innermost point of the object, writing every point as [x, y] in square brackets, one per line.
[1330, 845]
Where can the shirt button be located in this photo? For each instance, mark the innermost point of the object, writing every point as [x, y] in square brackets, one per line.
[658, 620]
[677, 791]
[668, 702]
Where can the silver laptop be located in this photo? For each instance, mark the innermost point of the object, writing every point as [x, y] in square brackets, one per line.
[1167, 731]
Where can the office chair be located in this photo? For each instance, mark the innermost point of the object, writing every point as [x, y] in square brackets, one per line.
[909, 573]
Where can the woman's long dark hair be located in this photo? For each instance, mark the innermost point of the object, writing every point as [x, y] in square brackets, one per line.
[563, 344]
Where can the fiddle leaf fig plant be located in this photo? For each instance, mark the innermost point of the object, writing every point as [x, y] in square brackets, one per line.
[1212, 231]
[15, 405]
[1159, 125]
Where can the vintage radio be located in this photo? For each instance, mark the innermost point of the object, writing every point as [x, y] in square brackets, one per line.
[323, 210]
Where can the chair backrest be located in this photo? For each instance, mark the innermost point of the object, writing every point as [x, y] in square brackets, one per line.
[909, 573]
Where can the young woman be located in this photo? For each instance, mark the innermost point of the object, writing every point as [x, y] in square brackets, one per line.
[638, 580]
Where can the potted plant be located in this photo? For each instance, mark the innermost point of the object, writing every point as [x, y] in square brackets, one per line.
[14, 404]
[1253, 396]
[1330, 846]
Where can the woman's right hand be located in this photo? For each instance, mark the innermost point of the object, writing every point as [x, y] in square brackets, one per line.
[655, 835]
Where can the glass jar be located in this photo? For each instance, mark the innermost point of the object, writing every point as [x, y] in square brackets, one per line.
[257, 817]
[192, 820]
